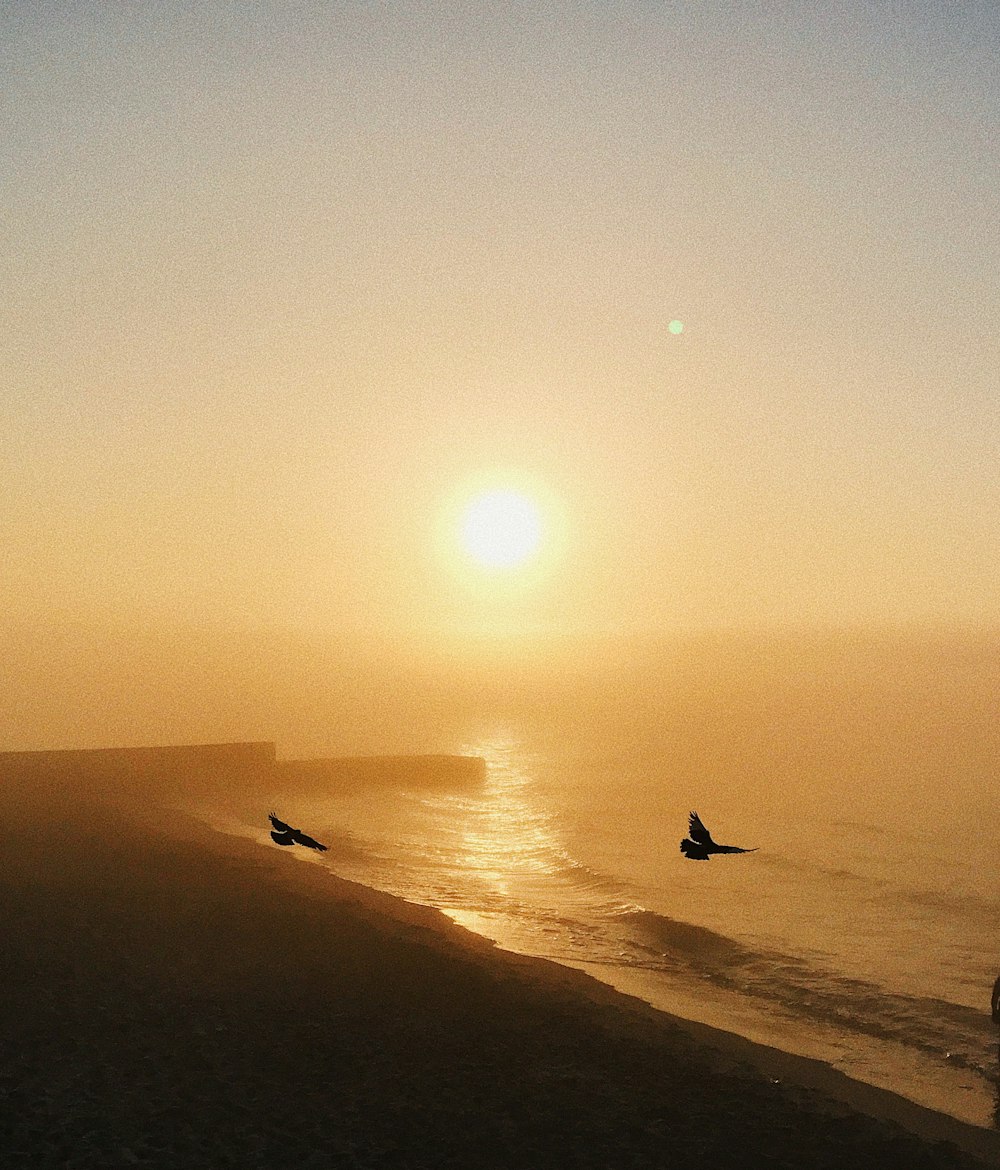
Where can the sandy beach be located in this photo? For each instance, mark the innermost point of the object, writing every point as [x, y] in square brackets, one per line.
[178, 997]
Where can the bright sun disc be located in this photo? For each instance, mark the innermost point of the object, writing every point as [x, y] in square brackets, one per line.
[501, 529]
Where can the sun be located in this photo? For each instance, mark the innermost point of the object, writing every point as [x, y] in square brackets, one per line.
[501, 529]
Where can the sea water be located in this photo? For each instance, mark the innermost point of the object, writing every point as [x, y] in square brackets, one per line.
[864, 929]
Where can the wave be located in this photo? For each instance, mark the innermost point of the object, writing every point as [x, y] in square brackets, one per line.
[804, 989]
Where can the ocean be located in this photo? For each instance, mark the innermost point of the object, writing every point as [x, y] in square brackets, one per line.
[864, 929]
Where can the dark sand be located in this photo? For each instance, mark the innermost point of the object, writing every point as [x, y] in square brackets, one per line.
[187, 999]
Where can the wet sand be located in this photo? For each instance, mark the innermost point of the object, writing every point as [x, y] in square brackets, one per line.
[175, 997]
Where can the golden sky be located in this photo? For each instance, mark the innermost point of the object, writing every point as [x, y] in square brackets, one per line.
[285, 284]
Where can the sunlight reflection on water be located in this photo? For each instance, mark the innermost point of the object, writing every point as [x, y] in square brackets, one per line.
[501, 831]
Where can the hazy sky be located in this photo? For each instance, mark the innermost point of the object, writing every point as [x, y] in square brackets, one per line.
[283, 283]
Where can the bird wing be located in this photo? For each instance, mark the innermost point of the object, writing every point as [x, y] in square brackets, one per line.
[698, 831]
[700, 844]
[279, 825]
[305, 839]
[693, 852]
[282, 838]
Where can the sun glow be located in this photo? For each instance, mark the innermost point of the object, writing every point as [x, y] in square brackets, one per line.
[501, 529]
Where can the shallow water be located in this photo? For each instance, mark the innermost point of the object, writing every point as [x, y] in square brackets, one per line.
[871, 946]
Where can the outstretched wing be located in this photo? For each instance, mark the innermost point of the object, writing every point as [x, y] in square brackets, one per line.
[698, 832]
[279, 825]
[305, 839]
[282, 838]
[699, 846]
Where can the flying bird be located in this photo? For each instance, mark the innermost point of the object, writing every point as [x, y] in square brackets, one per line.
[699, 846]
[283, 834]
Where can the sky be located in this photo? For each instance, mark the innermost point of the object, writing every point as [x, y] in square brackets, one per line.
[285, 284]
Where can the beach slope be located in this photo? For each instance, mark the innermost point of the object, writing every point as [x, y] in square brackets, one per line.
[176, 997]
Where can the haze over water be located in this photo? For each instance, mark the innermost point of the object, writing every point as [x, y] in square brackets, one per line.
[863, 930]
[607, 390]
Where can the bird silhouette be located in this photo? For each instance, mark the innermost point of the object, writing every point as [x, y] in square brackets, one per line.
[284, 834]
[699, 846]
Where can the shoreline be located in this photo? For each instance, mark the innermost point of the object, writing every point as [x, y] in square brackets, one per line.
[813, 1077]
[177, 995]
[763, 1050]
[816, 1073]
[901, 1072]
[913, 1078]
